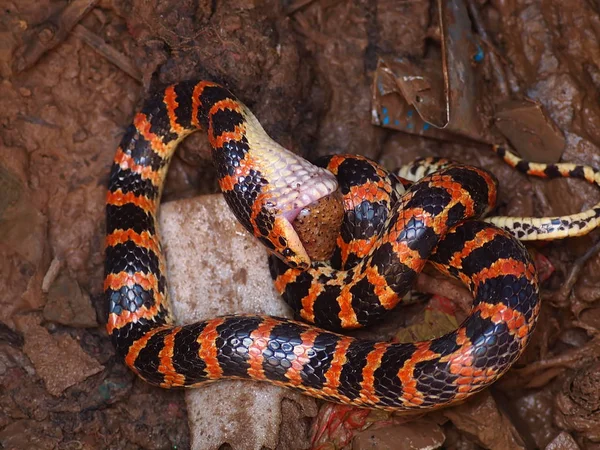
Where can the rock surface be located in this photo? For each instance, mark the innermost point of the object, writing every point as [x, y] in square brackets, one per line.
[215, 267]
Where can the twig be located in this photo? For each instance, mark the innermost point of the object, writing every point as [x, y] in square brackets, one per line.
[561, 296]
[109, 52]
[296, 5]
[301, 25]
[569, 359]
[51, 33]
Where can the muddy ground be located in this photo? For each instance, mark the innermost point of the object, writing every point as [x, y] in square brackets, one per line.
[72, 75]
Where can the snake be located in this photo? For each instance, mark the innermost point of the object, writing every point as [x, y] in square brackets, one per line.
[392, 227]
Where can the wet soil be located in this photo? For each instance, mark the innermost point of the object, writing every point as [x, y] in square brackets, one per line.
[71, 77]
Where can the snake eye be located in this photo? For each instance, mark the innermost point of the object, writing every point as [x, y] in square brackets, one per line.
[287, 252]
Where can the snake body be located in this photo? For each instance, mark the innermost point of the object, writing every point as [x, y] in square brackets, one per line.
[374, 265]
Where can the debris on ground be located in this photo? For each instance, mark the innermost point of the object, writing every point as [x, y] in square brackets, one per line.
[318, 75]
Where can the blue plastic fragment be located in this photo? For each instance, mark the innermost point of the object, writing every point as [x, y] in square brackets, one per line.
[479, 54]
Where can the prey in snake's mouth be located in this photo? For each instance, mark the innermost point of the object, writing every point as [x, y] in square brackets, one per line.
[278, 184]
[269, 188]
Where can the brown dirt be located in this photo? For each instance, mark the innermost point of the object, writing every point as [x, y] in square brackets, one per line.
[305, 69]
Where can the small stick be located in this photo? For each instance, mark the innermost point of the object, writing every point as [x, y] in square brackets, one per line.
[569, 359]
[51, 33]
[296, 5]
[109, 52]
[561, 296]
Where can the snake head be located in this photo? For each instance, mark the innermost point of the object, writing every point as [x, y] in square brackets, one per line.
[267, 199]
[287, 198]
[269, 215]
[266, 186]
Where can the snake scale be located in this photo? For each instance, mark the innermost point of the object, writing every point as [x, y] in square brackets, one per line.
[391, 230]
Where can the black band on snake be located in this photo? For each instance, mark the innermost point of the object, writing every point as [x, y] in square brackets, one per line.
[387, 236]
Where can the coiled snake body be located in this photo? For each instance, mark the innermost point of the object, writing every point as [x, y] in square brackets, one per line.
[266, 186]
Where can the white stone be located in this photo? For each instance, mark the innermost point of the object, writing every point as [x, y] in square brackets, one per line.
[214, 268]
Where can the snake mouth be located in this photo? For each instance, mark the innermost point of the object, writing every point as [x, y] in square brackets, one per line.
[305, 190]
[315, 219]
[300, 196]
[318, 225]
[295, 189]
[299, 185]
[292, 183]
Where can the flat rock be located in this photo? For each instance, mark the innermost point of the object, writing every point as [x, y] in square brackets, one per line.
[215, 268]
[58, 359]
[68, 304]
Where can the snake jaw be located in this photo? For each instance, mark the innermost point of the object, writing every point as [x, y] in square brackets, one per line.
[290, 184]
[307, 188]
[288, 246]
